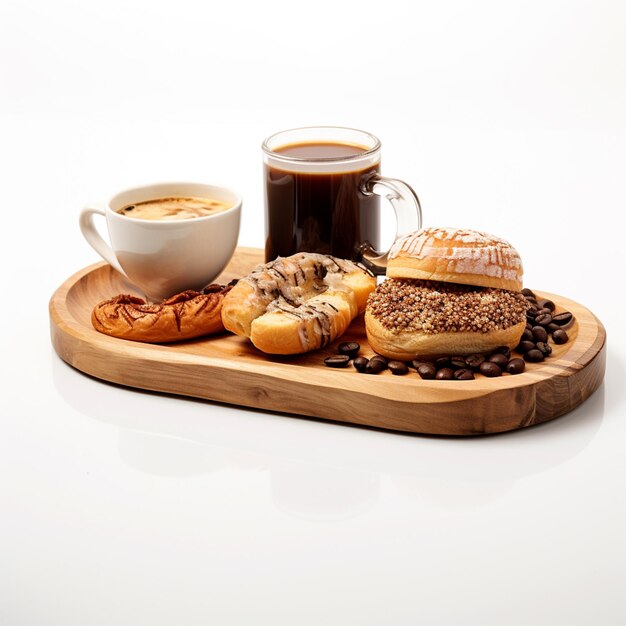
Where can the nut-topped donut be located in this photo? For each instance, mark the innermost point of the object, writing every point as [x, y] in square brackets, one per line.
[298, 303]
[449, 292]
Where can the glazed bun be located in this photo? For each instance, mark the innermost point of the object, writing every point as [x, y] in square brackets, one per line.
[455, 255]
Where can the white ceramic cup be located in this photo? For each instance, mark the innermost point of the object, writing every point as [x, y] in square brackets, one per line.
[164, 257]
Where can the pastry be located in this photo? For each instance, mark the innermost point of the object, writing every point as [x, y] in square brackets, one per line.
[183, 316]
[449, 292]
[298, 303]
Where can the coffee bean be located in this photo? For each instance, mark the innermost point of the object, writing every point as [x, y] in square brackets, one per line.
[528, 293]
[529, 326]
[380, 359]
[562, 319]
[540, 333]
[500, 360]
[457, 362]
[531, 312]
[360, 363]
[445, 373]
[442, 362]
[543, 319]
[516, 366]
[351, 348]
[474, 360]
[415, 363]
[502, 350]
[375, 366]
[544, 303]
[464, 374]
[543, 311]
[337, 360]
[525, 346]
[490, 369]
[527, 335]
[427, 371]
[398, 368]
[544, 348]
[552, 327]
[560, 336]
[533, 356]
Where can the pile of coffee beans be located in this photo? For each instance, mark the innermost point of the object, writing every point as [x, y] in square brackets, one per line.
[541, 323]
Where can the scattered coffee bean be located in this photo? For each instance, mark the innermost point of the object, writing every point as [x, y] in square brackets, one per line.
[527, 335]
[360, 363]
[560, 336]
[442, 362]
[398, 368]
[473, 361]
[540, 333]
[500, 360]
[546, 304]
[543, 319]
[528, 293]
[490, 369]
[543, 311]
[351, 348]
[544, 348]
[457, 362]
[562, 319]
[416, 363]
[445, 373]
[516, 366]
[375, 366]
[380, 359]
[464, 374]
[337, 360]
[525, 346]
[427, 371]
[552, 327]
[531, 312]
[503, 350]
[533, 356]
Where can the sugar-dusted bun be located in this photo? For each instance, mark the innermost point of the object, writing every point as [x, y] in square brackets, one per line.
[296, 304]
[186, 315]
[456, 255]
[407, 319]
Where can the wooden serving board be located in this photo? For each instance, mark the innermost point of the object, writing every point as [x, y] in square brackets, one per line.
[227, 368]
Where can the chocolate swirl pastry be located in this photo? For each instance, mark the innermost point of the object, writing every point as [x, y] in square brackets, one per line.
[183, 316]
[298, 303]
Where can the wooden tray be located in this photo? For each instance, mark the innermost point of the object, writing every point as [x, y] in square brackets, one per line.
[227, 368]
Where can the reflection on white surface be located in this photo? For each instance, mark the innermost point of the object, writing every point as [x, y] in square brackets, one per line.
[319, 470]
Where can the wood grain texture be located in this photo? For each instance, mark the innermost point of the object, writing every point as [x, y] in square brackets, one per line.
[227, 368]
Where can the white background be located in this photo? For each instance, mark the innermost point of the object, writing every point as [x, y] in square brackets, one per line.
[121, 507]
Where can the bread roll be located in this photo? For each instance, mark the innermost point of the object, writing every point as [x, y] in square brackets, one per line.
[296, 304]
[455, 255]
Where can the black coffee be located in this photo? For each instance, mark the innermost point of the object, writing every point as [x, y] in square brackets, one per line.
[322, 212]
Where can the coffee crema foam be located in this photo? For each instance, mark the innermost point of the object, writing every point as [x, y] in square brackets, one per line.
[175, 208]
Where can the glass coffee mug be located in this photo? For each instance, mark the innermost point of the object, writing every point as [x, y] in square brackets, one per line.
[322, 194]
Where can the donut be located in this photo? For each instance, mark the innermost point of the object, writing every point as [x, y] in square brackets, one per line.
[298, 303]
[183, 316]
[448, 292]
[454, 255]
[407, 319]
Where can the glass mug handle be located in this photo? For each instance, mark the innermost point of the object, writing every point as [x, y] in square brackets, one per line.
[408, 211]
